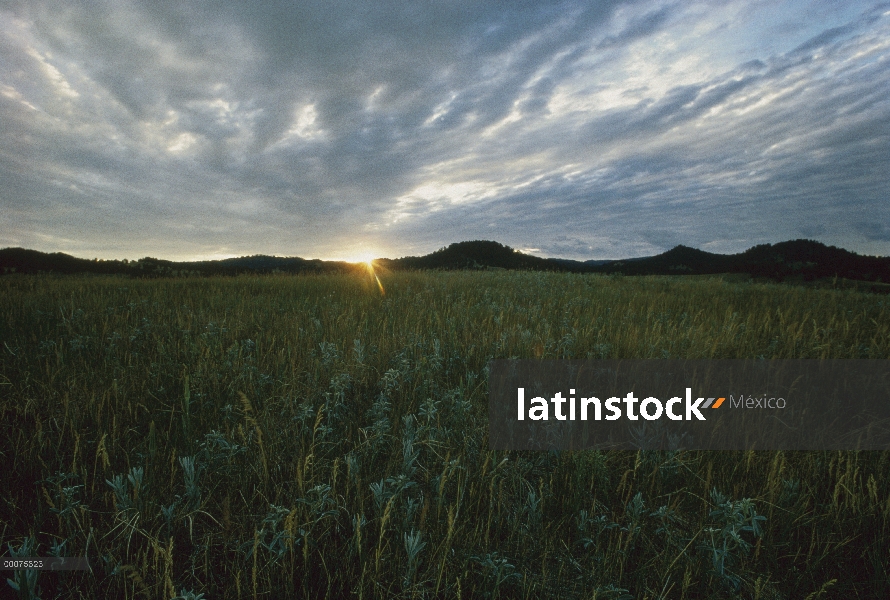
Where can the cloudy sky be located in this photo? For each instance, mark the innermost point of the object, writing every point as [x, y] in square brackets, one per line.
[606, 129]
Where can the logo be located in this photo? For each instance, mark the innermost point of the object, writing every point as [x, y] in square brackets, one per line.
[584, 409]
[725, 404]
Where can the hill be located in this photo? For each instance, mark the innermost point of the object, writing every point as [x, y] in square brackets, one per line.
[795, 260]
[803, 260]
[681, 260]
[475, 255]
[20, 260]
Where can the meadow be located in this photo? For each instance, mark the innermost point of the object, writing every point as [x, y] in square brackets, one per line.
[310, 436]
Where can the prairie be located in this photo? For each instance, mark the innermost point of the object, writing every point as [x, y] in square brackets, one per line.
[310, 436]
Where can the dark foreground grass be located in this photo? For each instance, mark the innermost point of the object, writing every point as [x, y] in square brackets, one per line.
[306, 436]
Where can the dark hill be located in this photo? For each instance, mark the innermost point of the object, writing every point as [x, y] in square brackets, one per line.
[475, 255]
[811, 260]
[265, 264]
[796, 260]
[677, 261]
[20, 260]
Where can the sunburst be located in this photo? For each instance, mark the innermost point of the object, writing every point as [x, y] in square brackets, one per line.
[370, 265]
[368, 262]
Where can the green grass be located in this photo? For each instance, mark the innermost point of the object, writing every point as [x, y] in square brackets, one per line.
[305, 436]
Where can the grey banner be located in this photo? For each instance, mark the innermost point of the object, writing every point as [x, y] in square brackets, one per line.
[52, 563]
[689, 404]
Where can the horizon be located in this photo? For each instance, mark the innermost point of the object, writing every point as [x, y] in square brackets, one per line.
[327, 131]
[370, 259]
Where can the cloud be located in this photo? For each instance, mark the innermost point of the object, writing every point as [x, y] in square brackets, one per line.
[610, 128]
[875, 231]
[639, 27]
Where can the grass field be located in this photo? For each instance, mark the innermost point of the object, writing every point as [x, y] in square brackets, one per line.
[308, 436]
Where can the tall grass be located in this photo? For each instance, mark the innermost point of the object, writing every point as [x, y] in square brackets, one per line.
[307, 436]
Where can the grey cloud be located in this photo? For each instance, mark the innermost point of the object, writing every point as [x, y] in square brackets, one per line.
[643, 176]
[824, 38]
[874, 231]
[638, 28]
[812, 231]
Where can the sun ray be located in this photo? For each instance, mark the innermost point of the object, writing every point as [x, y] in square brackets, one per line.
[370, 264]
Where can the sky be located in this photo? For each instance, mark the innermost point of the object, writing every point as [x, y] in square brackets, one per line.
[350, 130]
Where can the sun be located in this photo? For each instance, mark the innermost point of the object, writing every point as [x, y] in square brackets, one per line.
[365, 258]
[368, 261]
